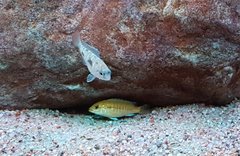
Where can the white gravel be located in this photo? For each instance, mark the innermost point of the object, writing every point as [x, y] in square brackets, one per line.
[179, 130]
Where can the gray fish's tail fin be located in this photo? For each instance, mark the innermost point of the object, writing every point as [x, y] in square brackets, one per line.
[76, 38]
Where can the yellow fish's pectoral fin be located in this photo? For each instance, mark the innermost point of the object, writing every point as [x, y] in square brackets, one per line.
[97, 116]
[115, 119]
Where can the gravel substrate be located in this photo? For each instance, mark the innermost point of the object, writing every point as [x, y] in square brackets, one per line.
[179, 130]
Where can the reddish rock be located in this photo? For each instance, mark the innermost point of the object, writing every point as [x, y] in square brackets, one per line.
[160, 52]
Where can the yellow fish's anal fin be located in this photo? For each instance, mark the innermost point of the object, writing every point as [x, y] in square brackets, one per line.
[132, 114]
[115, 119]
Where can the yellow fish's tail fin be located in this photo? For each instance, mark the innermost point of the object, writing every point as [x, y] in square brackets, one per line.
[144, 109]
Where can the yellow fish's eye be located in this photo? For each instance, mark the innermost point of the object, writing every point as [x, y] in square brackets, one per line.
[96, 107]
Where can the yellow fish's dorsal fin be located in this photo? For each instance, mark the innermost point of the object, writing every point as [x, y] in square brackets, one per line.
[116, 100]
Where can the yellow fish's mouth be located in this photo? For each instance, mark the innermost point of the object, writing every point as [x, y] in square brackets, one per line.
[90, 110]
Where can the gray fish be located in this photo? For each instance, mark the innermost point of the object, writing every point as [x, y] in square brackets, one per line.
[91, 58]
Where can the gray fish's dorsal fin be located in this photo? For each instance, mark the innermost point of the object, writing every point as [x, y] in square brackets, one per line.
[90, 78]
[91, 48]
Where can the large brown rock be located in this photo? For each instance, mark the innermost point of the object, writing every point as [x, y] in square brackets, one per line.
[160, 52]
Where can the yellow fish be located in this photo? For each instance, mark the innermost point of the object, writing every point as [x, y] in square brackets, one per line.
[114, 108]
